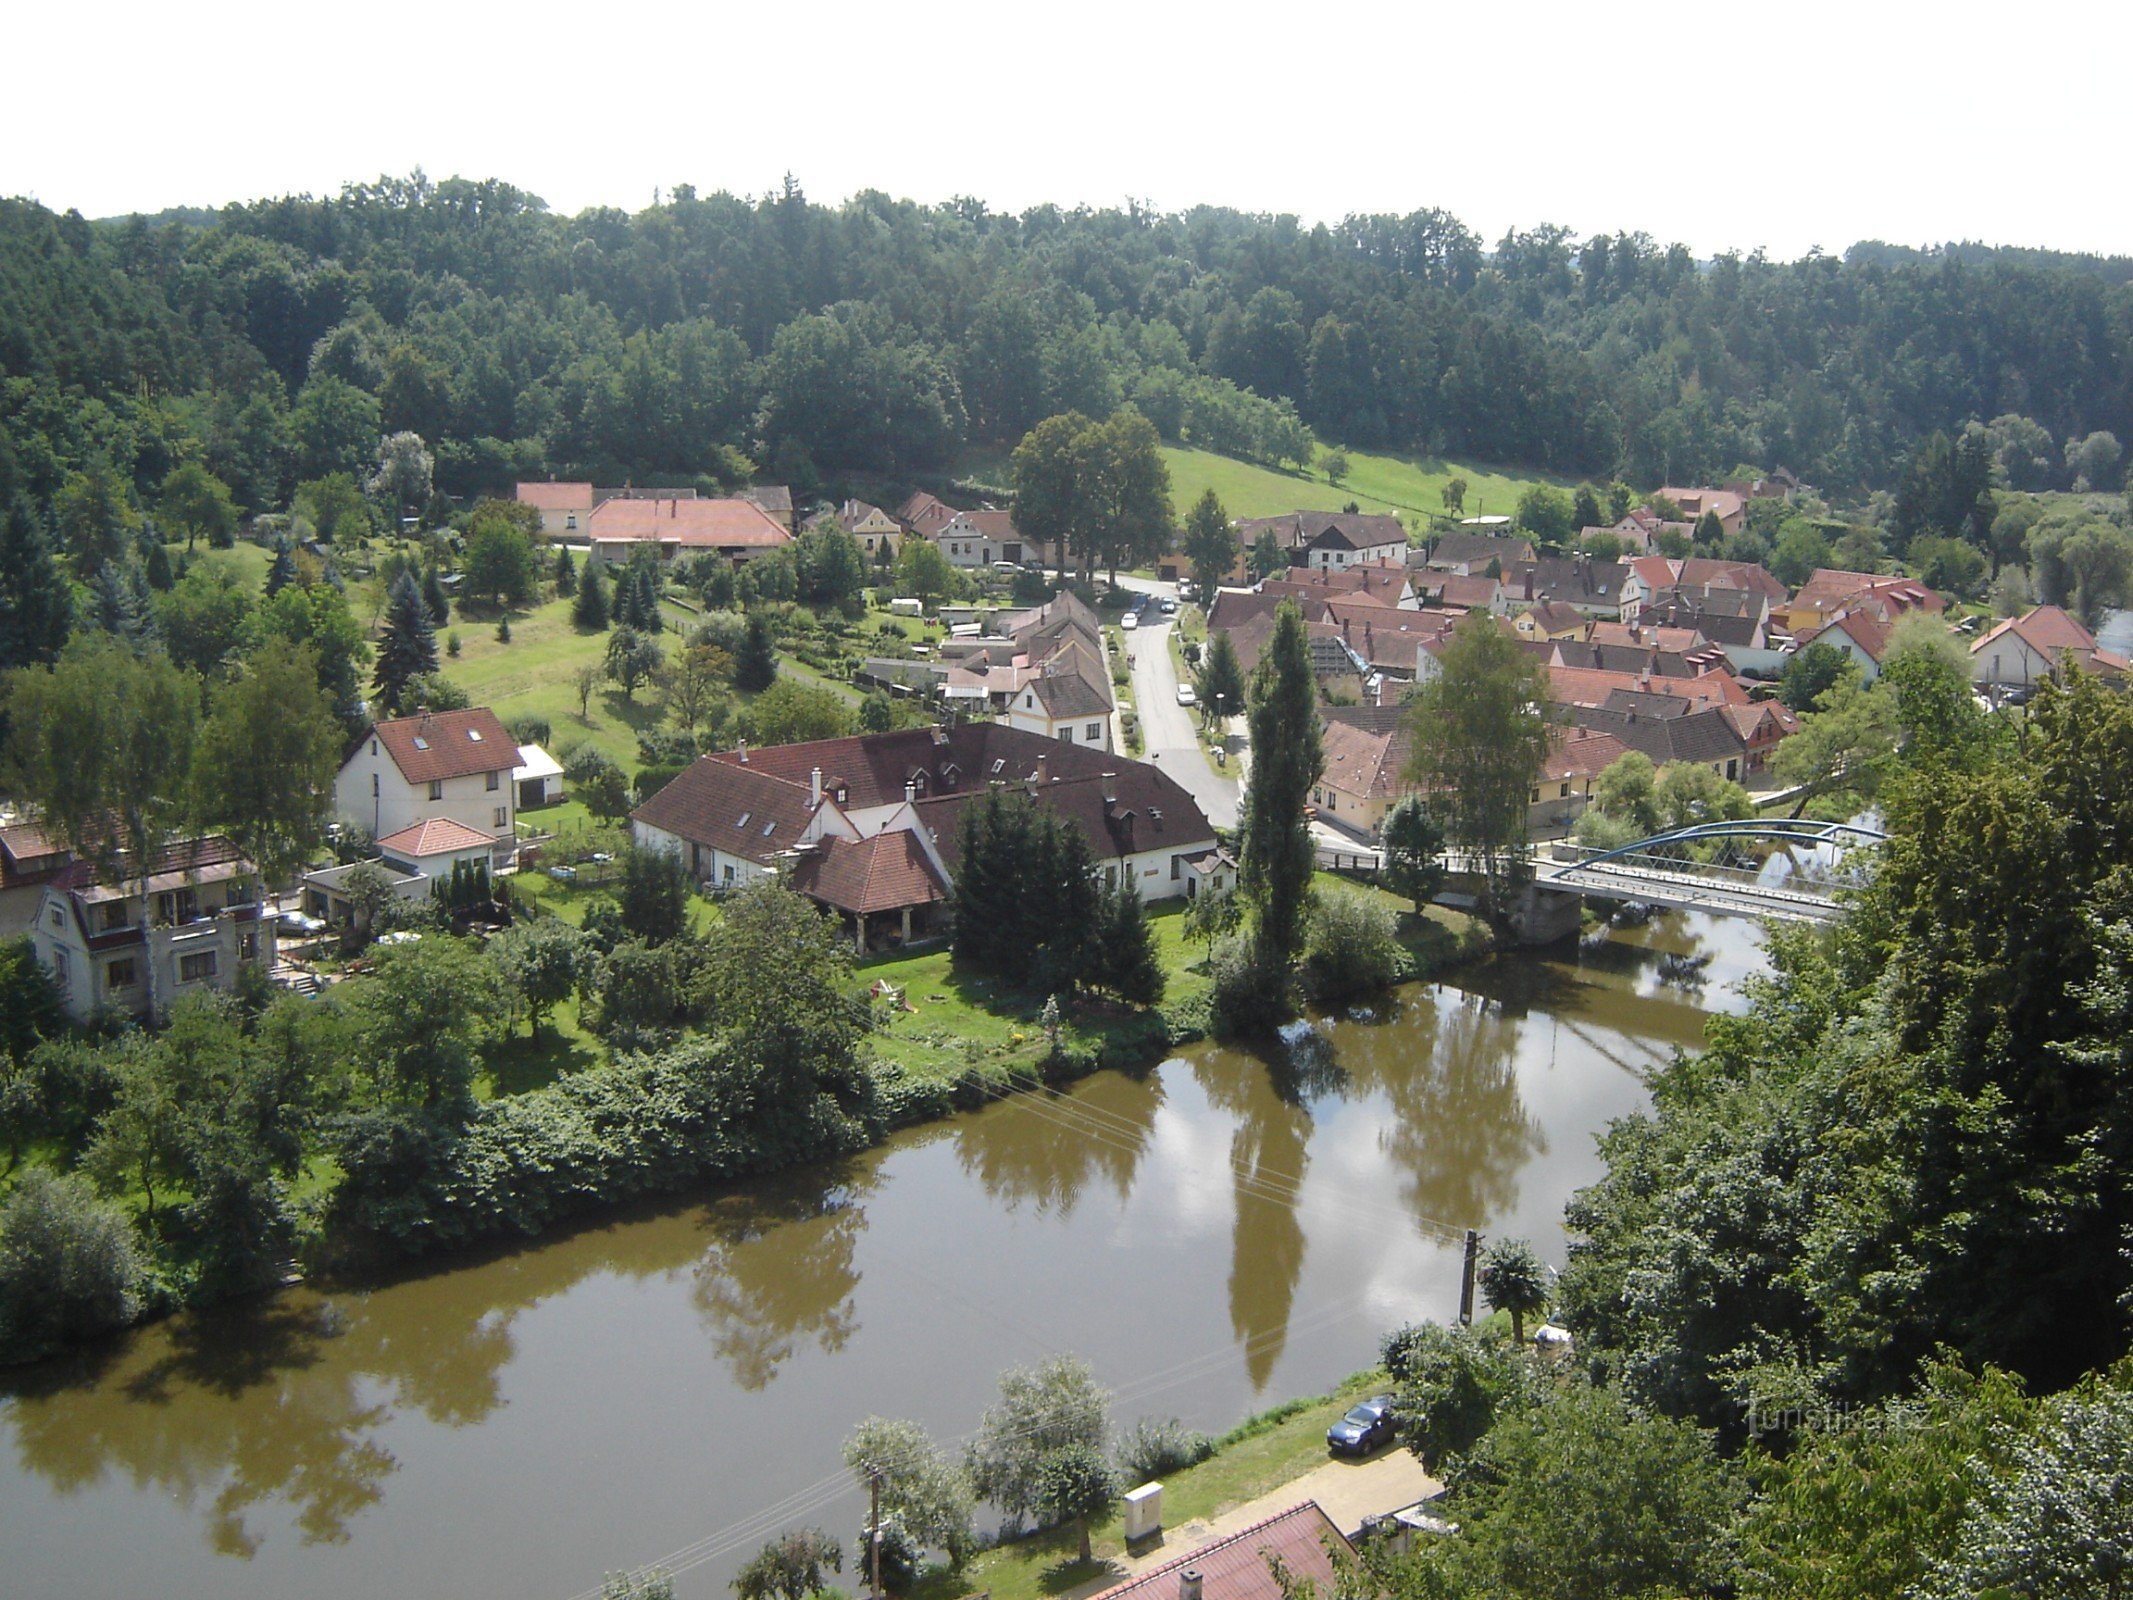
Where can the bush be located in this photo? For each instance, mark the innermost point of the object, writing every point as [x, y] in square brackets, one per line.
[1155, 1447]
[70, 1266]
[529, 729]
[1250, 995]
[1351, 945]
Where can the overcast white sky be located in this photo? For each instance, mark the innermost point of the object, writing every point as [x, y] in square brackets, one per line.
[1727, 126]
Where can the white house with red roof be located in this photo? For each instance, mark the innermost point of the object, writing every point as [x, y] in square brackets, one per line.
[2023, 651]
[565, 508]
[434, 766]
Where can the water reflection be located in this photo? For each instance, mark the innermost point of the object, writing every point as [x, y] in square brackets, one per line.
[1459, 1131]
[1268, 1158]
[780, 1270]
[1043, 1148]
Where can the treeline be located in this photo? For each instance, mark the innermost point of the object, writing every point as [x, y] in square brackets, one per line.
[712, 335]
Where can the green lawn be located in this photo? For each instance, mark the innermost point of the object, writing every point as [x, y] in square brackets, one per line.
[1280, 1446]
[533, 675]
[245, 561]
[1398, 484]
[965, 1020]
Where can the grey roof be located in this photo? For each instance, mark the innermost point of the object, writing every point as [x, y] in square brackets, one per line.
[1701, 737]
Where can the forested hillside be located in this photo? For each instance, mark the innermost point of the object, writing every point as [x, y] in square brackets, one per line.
[715, 335]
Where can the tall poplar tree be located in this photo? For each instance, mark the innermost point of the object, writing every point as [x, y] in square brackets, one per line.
[408, 649]
[1287, 757]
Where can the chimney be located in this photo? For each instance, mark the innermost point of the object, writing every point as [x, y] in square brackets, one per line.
[1110, 789]
[744, 752]
[1189, 1584]
[814, 787]
[910, 790]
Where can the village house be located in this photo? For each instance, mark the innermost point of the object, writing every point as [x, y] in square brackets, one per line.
[974, 539]
[1831, 590]
[1323, 541]
[1669, 728]
[867, 826]
[874, 528]
[29, 859]
[1471, 555]
[2023, 651]
[774, 500]
[1858, 635]
[923, 516]
[1367, 749]
[739, 530]
[1730, 509]
[1590, 588]
[1550, 619]
[565, 508]
[118, 942]
[459, 765]
[1299, 1551]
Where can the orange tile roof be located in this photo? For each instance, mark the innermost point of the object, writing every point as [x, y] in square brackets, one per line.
[697, 524]
[439, 836]
[447, 744]
[556, 496]
[1304, 1540]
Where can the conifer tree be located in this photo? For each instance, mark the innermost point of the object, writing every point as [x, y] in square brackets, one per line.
[156, 563]
[408, 649]
[121, 604]
[566, 572]
[1122, 956]
[433, 597]
[589, 610]
[36, 606]
[757, 665]
[283, 571]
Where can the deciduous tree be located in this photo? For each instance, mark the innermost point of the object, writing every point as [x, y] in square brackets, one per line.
[264, 768]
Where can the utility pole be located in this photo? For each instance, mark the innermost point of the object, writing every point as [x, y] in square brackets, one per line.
[1466, 1279]
[874, 1536]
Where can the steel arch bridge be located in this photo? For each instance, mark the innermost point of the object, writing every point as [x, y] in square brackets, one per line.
[1790, 869]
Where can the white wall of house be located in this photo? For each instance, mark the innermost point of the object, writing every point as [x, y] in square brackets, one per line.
[964, 546]
[201, 955]
[1324, 558]
[2009, 661]
[1156, 874]
[1024, 711]
[371, 793]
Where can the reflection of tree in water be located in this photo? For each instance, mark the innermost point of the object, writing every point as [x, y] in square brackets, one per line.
[1043, 1147]
[780, 1270]
[285, 1398]
[1267, 1155]
[1459, 1127]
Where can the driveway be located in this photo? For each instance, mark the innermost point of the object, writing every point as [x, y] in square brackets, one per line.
[1169, 728]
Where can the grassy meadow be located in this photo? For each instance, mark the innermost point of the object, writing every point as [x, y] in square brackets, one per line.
[1398, 485]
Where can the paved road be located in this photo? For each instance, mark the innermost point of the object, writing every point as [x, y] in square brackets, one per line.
[1169, 728]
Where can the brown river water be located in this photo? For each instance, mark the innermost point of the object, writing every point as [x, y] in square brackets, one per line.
[673, 1382]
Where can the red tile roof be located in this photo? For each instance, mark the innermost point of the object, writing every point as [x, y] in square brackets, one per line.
[724, 805]
[1238, 1568]
[925, 514]
[694, 524]
[447, 744]
[884, 873]
[439, 836]
[993, 524]
[556, 496]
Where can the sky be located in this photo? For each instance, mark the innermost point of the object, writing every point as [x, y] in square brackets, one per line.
[1744, 125]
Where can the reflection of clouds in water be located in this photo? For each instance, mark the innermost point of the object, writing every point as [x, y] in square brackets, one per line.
[1185, 1188]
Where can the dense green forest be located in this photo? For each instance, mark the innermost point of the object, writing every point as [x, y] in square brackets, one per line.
[716, 335]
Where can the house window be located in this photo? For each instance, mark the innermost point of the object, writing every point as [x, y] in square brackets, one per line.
[197, 967]
[248, 947]
[729, 872]
[570, 521]
[62, 968]
[490, 782]
[436, 788]
[1096, 733]
[59, 917]
[111, 915]
[1566, 792]
[121, 974]
[1067, 733]
[1536, 796]
[503, 816]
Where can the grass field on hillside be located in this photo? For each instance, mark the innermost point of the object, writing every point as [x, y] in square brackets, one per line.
[1409, 488]
[534, 673]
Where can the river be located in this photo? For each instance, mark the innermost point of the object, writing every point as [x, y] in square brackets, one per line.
[1223, 1231]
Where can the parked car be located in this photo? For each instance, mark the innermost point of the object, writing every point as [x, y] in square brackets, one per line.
[1131, 619]
[1364, 1428]
[1170, 606]
[1185, 695]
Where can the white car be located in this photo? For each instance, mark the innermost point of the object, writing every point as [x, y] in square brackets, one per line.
[1131, 619]
[1185, 695]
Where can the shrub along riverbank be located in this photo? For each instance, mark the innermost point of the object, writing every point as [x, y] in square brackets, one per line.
[345, 1132]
